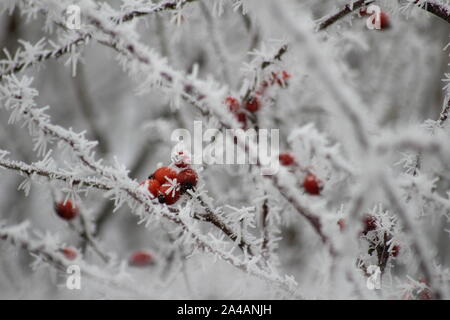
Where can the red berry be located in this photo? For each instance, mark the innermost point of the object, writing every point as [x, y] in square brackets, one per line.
[69, 253]
[253, 104]
[164, 173]
[384, 20]
[166, 196]
[242, 118]
[312, 185]
[141, 258]
[370, 223]
[188, 179]
[341, 223]
[286, 159]
[232, 103]
[153, 186]
[395, 250]
[66, 210]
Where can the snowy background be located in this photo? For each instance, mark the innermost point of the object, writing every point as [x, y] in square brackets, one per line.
[363, 111]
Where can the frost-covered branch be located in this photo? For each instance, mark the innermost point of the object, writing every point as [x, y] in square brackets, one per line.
[341, 13]
[70, 179]
[18, 99]
[418, 244]
[26, 58]
[47, 249]
[164, 5]
[439, 8]
[359, 184]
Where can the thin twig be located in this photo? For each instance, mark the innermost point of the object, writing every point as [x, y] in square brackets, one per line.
[438, 9]
[87, 108]
[414, 236]
[347, 9]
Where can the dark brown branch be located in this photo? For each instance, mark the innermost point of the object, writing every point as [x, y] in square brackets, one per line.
[342, 13]
[277, 57]
[264, 218]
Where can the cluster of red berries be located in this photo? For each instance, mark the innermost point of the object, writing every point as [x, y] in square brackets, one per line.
[168, 184]
[311, 183]
[66, 210]
[385, 22]
[141, 258]
[253, 103]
